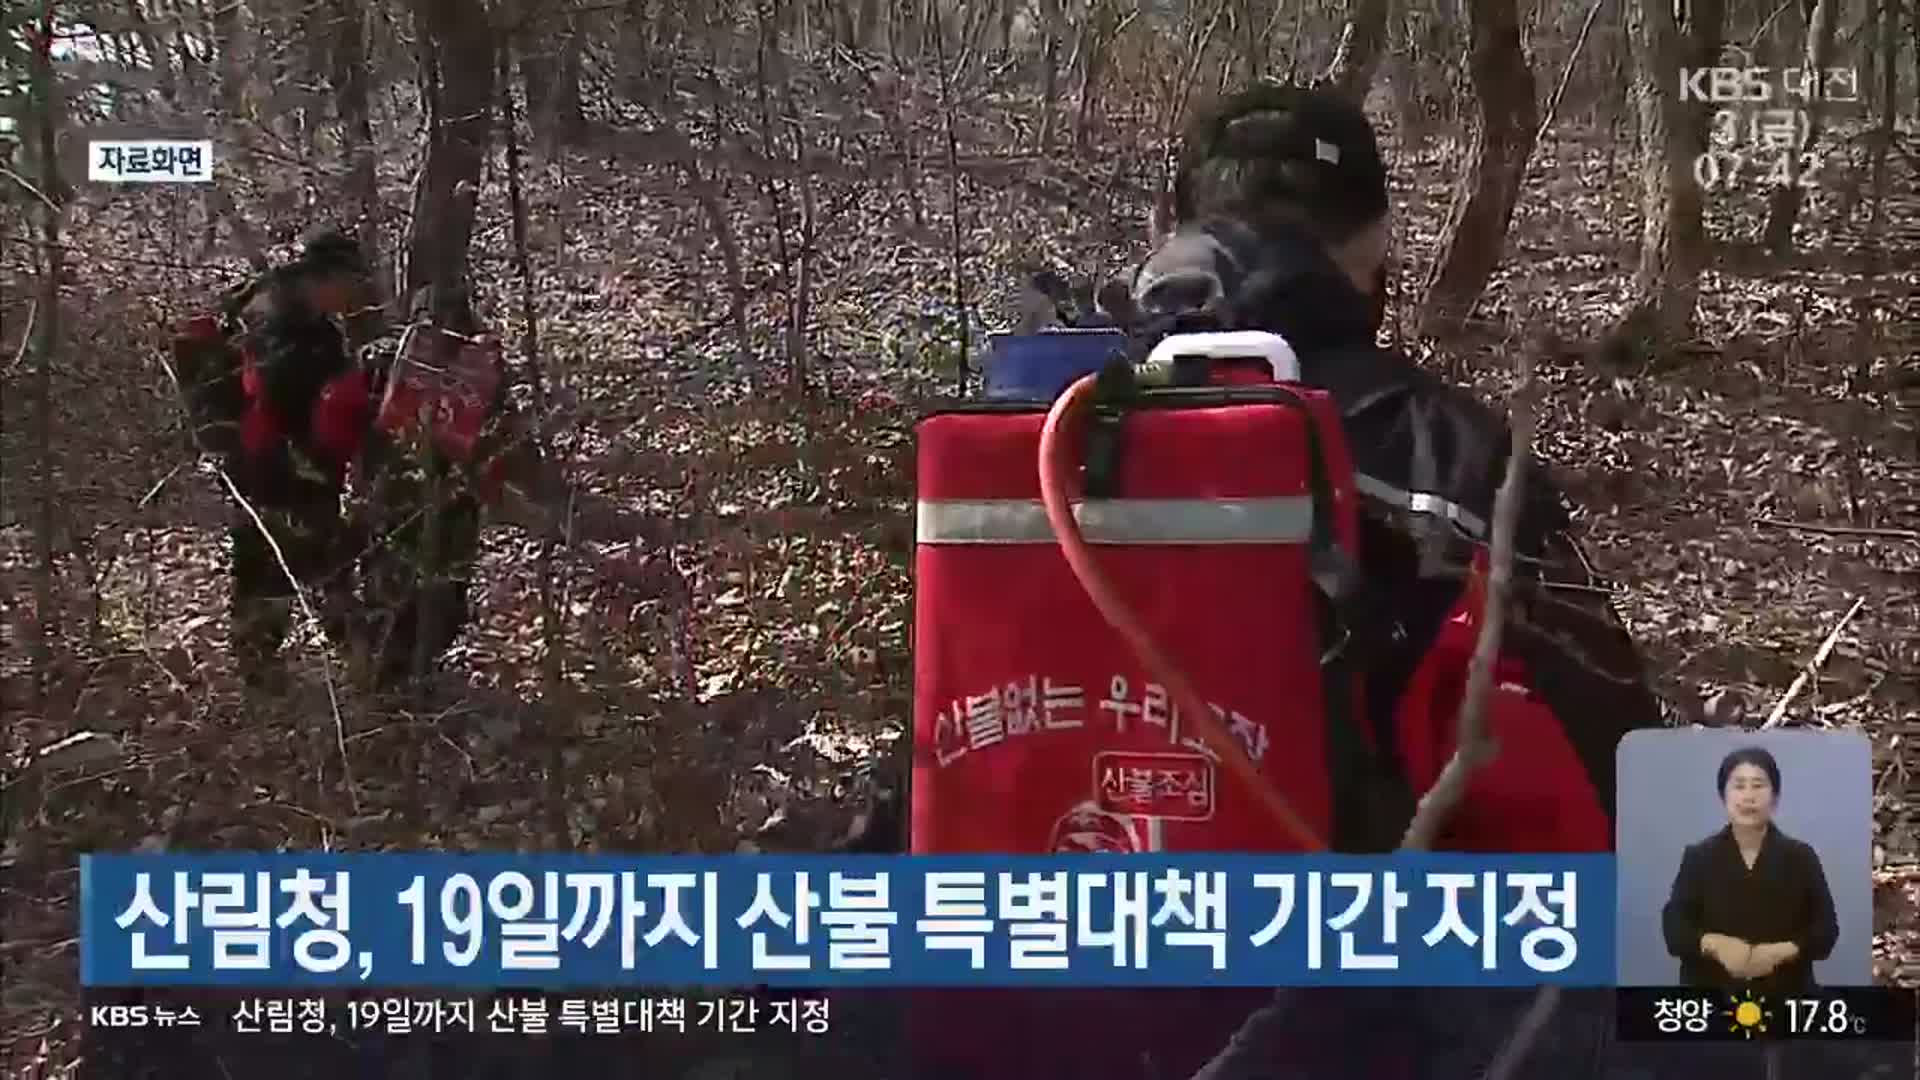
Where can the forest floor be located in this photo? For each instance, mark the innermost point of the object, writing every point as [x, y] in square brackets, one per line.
[794, 527]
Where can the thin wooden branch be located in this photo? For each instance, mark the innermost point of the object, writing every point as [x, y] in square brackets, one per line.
[26, 339]
[961, 362]
[1531, 1024]
[28, 187]
[1473, 745]
[1178, 107]
[1812, 667]
[558, 728]
[313, 618]
[147, 499]
[1911, 536]
[1472, 748]
[1566, 74]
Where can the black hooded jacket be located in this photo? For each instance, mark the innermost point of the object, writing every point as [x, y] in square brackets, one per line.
[298, 351]
[1429, 459]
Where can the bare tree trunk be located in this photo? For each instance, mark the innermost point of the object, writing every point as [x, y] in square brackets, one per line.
[1870, 298]
[1783, 203]
[230, 60]
[116, 55]
[157, 54]
[1913, 23]
[1869, 53]
[1618, 91]
[1884, 133]
[1249, 27]
[550, 72]
[315, 33]
[1475, 232]
[1673, 135]
[1433, 41]
[961, 358]
[559, 721]
[46, 340]
[1054, 14]
[458, 44]
[800, 310]
[354, 110]
[770, 64]
[973, 21]
[705, 192]
[1199, 40]
[1103, 26]
[800, 333]
[839, 18]
[1362, 42]
[192, 64]
[230, 39]
[1403, 80]
[796, 20]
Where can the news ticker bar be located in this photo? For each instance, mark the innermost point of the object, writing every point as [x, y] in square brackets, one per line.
[1871, 1014]
[192, 1033]
[529, 1015]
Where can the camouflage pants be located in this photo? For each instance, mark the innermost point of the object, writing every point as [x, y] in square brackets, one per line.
[312, 538]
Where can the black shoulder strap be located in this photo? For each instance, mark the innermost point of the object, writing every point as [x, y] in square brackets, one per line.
[1372, 798]
[1215, 276]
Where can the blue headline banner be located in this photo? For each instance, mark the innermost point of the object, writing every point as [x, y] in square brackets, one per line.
[568, 921]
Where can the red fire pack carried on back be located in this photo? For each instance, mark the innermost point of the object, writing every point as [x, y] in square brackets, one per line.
[1218, 514]
[443, 384]
[1223, 517]
[227, 402]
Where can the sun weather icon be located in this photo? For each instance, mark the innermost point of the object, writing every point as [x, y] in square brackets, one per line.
[1747, 1014]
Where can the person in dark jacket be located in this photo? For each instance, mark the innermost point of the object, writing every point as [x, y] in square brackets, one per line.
[1750, 907]
[301, 414]
[1281, 224]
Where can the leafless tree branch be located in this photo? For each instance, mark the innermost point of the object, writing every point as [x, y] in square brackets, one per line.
[1474, 746]
[314, 622]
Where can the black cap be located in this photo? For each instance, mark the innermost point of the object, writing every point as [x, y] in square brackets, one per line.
[1274, 143]
[332, 251]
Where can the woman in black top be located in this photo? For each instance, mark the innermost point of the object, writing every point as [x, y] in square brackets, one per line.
[1750, 906]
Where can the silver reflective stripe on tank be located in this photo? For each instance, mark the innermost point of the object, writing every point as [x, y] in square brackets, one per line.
[1420, 502]
[1277, 520]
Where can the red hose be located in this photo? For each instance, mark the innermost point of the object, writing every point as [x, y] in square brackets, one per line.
[1057, 466]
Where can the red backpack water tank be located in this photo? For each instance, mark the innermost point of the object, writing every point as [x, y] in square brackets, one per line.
[1036, 727]
[1039, 729]
[445, 385]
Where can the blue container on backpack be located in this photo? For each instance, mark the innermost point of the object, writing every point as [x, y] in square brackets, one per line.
[1040, 367]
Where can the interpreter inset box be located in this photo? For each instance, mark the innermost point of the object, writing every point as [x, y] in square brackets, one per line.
[1744, 859]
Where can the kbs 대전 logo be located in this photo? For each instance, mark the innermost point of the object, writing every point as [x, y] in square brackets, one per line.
[1761, 135]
